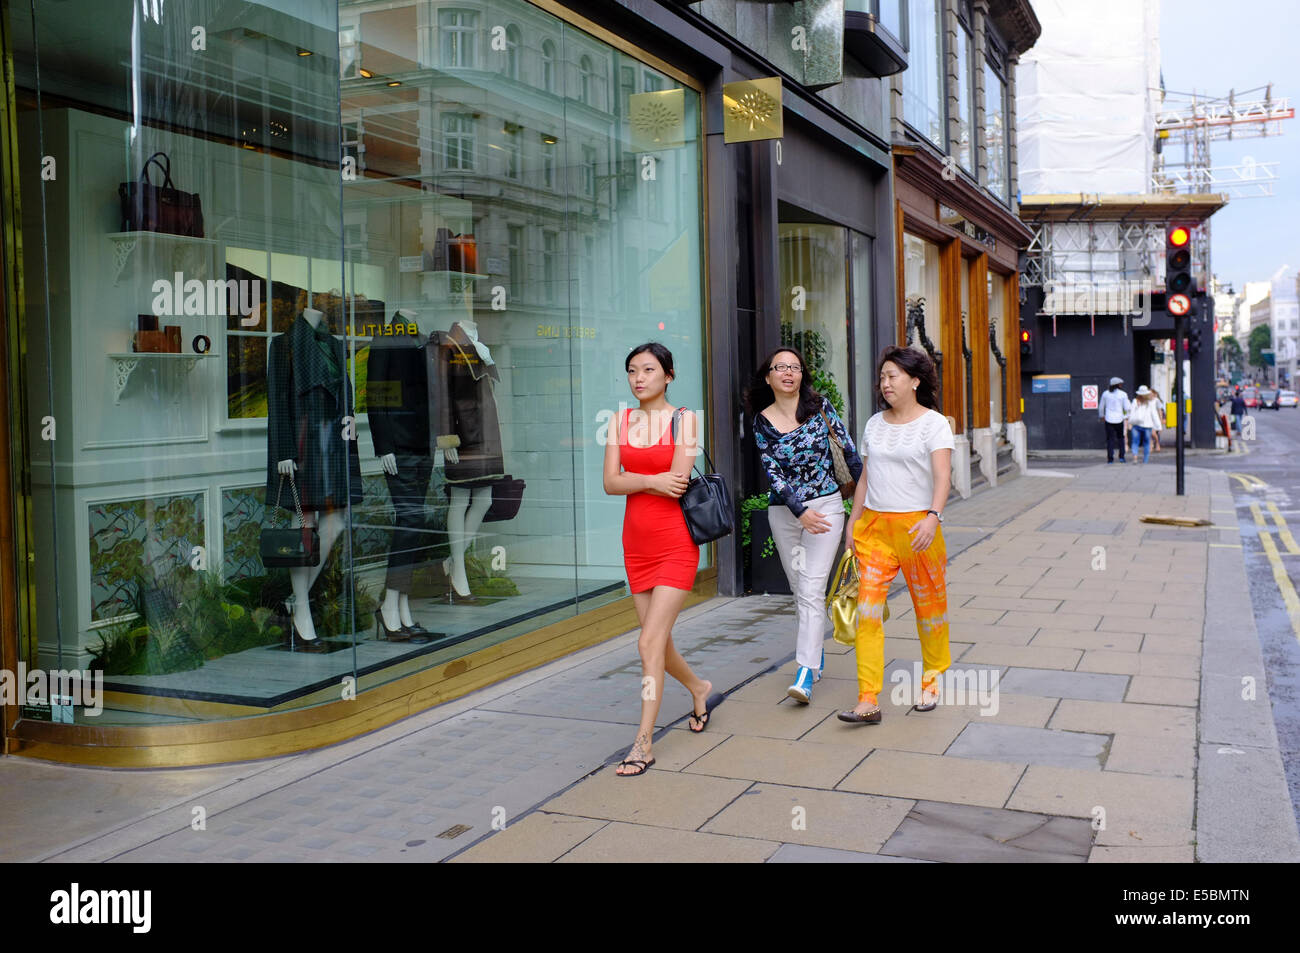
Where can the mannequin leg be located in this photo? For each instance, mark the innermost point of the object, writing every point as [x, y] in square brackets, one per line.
[329, 525]
[465, 516]
[404, 609]
[459, 498]
[390, 608]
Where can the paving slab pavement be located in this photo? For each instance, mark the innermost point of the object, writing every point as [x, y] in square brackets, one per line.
[1113, 729]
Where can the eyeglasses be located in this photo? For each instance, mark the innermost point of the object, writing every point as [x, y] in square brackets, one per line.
[787, 368]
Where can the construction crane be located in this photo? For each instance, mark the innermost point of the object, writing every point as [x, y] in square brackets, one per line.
[1195, 121]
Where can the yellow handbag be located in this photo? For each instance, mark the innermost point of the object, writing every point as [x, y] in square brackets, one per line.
[842, 602]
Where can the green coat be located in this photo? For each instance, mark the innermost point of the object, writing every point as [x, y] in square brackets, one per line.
[306, 403]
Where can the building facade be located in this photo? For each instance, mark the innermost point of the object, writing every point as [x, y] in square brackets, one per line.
[953, 123]
[411, 241]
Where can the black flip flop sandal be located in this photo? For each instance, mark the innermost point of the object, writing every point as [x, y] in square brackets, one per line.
[635, 774]
[710, 703]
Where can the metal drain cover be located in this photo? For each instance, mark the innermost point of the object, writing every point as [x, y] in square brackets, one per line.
[454, 832]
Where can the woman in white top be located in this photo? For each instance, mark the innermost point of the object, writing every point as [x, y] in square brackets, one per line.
[897, 510]
[1144, 419]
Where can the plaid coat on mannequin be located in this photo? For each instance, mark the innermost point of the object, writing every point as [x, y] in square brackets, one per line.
[306, 404]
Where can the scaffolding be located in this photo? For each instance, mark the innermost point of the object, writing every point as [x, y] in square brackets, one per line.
[1193, 121]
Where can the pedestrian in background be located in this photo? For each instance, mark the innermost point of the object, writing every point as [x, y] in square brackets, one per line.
[1238, 410]
[793, 430]
[1113, 409]
[895, 524]
[1144, 418]
[649, 465]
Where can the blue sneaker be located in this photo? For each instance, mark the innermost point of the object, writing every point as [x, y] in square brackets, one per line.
[817, 675]
[801, 690]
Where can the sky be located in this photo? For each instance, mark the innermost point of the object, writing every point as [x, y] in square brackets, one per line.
[1210, 47]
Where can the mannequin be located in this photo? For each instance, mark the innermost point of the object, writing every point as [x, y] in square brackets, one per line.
[308, 396]
[399, 424]
[470, 436]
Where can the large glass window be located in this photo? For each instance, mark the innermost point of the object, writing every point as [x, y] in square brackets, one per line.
[419, 345]
[995, 136]
[923, 79]
[826, 310]
[921, 294]
[965, 98]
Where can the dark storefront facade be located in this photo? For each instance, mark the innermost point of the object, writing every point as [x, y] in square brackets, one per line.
[518, 190]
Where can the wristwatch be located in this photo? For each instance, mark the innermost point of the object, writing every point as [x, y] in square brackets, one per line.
[937, 515]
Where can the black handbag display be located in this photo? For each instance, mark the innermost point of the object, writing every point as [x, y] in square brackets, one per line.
[289, 545]
[507, 497]
[706, 504]
[160, 208]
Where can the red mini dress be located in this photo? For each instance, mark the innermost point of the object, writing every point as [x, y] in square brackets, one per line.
[657, 547]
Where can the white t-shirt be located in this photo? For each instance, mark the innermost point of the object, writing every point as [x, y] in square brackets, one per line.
[897, 459]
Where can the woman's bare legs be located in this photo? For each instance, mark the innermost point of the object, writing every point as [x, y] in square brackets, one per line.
[657, 610]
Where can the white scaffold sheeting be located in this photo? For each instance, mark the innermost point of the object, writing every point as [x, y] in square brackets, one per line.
[1085, 112]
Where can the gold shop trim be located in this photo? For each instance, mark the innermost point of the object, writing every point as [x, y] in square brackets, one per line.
[288, 732]
[751, 110]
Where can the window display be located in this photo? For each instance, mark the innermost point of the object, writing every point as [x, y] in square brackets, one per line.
[341, 415]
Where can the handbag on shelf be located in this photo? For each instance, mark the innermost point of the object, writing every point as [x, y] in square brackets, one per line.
[160, 208]
[507, 497]
[842, 602]
[289, 545]
[843, 475]
[706, 503]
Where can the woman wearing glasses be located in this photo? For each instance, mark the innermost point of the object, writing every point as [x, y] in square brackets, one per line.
[793, 429]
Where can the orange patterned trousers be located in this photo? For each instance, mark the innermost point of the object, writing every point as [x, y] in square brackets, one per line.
[883, 547]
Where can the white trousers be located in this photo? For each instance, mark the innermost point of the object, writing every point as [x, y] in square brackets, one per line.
[807, 559]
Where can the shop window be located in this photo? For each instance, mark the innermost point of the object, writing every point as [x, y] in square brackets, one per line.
[458, 29]
[814, 299]
[923, 85]
[148, 513]
[998, 330]
[921, 294]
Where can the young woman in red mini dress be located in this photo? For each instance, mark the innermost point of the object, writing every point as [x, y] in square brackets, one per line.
[647, 466]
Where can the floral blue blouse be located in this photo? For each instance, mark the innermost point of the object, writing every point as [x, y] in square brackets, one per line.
[798, 463]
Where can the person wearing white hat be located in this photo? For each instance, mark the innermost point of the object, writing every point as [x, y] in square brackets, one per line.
[1144, 418]
[1113, 409]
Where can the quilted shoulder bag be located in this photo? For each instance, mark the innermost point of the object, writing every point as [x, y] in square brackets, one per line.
[706, 504]
[843, 476]
[289, 545]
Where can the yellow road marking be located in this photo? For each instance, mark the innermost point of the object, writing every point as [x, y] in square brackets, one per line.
[1283, 533]
[1247, 481]
[1289, 597]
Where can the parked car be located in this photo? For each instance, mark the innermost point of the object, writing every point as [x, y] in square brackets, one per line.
[1288, 398]
[1251, 396]
[1268, 399]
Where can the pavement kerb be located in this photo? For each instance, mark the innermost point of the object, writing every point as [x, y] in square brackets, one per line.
[1243, 807]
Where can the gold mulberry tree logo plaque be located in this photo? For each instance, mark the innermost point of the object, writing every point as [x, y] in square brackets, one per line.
[658, 120]
[751, 110]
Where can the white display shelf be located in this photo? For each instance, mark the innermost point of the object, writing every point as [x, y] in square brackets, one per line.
[124, 243]
[124, 365]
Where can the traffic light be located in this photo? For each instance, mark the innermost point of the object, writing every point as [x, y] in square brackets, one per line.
[1194, 340]
[1178, 270]
[1026, 343]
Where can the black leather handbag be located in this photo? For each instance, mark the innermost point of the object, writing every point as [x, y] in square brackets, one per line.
[507, 496]
[160, 208]
[289, 545]
[706, 504]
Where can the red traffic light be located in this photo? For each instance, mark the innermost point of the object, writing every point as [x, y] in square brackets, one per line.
[1179, 236]
[1178, 305]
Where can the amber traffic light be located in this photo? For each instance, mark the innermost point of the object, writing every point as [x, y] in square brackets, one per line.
[1178, 264]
